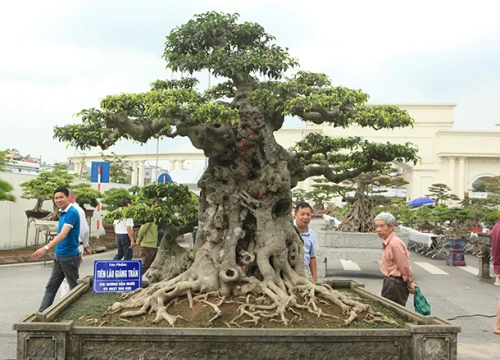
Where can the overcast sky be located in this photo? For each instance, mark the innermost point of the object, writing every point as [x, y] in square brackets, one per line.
[60, 56]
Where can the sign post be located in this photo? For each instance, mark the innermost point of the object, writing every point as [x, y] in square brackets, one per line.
[164, 178]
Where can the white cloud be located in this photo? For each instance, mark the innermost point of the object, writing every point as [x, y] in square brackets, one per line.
[359, 35]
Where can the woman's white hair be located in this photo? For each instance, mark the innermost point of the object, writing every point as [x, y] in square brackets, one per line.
[389, 219]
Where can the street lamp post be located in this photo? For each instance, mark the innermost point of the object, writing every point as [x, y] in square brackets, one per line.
[157, 150]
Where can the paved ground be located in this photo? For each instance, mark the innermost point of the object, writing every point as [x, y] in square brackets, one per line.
[455, 294]
[23, 255]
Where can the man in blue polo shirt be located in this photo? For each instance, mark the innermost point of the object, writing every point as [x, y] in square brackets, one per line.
[67, 259]
[303, 214]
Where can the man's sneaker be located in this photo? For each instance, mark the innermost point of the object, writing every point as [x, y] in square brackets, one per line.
[497, 281]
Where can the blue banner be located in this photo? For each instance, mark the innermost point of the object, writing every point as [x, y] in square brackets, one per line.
[117, 276]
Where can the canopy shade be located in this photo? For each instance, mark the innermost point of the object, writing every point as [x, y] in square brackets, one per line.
[420, 201]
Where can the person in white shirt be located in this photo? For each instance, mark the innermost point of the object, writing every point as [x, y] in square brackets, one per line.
[124, 230]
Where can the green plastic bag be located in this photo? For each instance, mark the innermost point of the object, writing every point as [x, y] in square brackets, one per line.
[420, 303]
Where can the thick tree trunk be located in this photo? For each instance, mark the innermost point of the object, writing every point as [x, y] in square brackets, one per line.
[171, 259]
[54, 215]
[38, 205]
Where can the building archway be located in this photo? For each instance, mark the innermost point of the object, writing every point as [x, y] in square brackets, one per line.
[478, 184]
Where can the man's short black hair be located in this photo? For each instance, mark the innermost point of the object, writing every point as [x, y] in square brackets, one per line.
[62, 189]
[302, 205]
[126, 202]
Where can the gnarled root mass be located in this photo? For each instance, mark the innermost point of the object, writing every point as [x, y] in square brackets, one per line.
[257, 301]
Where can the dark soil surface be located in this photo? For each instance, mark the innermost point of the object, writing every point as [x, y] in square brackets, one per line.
[89, 311]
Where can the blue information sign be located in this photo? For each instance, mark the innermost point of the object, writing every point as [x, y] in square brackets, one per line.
[164, 178]
[117, 276]
[94, 171]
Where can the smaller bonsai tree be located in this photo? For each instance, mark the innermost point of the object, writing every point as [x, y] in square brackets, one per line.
[42, 187]
[424, 216]
[491, 218]
[298, 195]
[460, 219]
[476, 213]
[440, 193]
[174, 208]
[112, 199]
[403, 213]
[318, 195]
[368, 190]
[86, 195]
[5, 189]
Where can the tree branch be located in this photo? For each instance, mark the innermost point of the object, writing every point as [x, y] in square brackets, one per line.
[121, 124]
[327, 172]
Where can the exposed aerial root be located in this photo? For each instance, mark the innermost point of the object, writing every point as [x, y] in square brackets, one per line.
[156, 299]
[203, 298]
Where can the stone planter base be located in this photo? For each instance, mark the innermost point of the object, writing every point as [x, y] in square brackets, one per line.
[456, 255]
[422, 338]
[37, 214]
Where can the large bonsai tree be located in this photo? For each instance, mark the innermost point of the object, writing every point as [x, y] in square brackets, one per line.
[246, 243]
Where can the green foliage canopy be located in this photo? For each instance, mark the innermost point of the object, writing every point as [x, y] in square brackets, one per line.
[254, 68]
[5, 189]
[112, 199]
[441, 193]
[86, 195]
[3, 160]
[42, 187]
[164, 204]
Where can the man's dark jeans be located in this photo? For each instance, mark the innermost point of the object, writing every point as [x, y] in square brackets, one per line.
[64, 267]
[124, 250]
